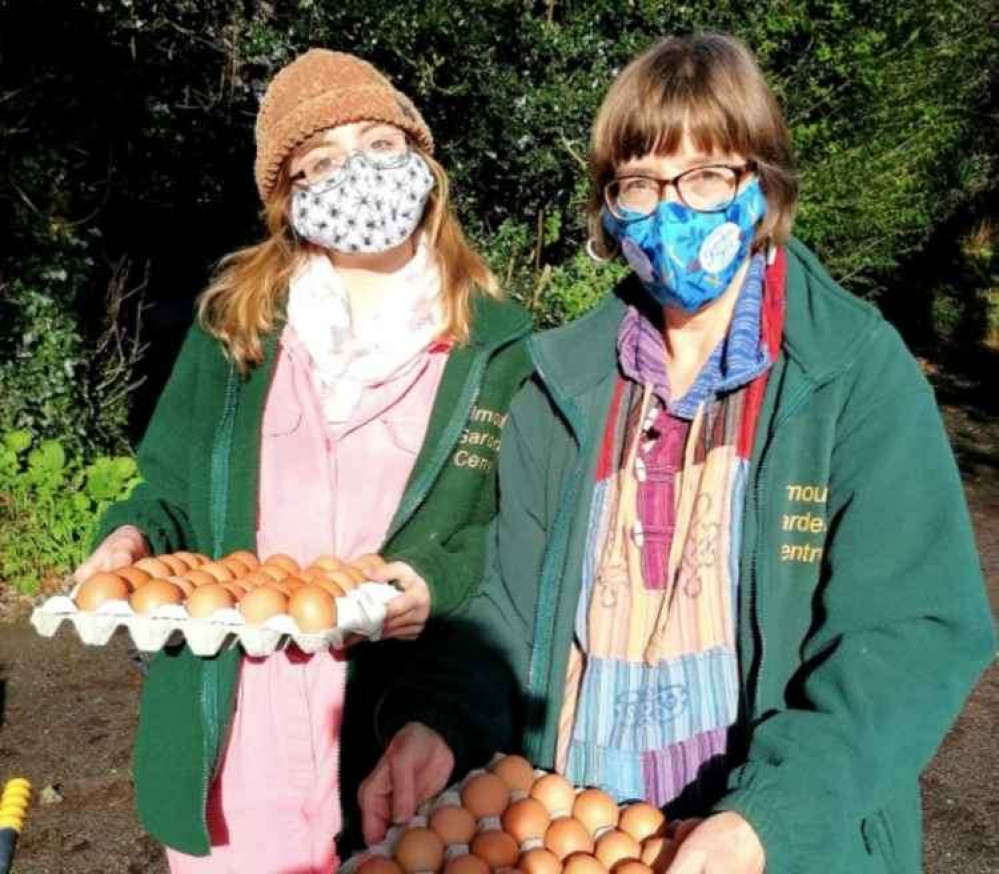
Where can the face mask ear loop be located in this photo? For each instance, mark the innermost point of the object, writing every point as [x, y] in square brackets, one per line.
[592, 252]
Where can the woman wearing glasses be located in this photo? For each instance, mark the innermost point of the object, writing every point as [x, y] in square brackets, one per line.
[342, 393]
[734, 574]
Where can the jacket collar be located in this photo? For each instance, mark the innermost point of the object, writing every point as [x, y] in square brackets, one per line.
[497, 321]
[494, 322]
[824, 327]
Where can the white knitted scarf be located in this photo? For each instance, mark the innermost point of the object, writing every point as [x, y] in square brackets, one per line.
[349, 356]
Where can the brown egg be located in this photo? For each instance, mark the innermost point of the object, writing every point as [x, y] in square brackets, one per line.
[497, 849]
[615, 846]
[205, 600]
[274, 572]
[283, 561]
[236, 566]
[379, 865]
[200, 578]
[485, 795]
[658, 853]
[280, 587]
[101, 587]
[182, 583]
[247, 558]
[342, 579]
[331, 587]
[154, 567]
[515, 771]
[133, 576]
[467, 864]
[254, 579]
[642, 821]
[420, 849]
[153, 594]
[454, 824]
[261, 604]
[566, 836]
[294, 583]
[312, 609]
[221, 573]
[235, 589]
[313, 574]
[630, 866]
[355, 576]
[526, 821]
[191, 559]
[582, 863]
[368, 563]
[595, 809]
[540, 861]
[555, 793]
[327, 563]
[177, 566]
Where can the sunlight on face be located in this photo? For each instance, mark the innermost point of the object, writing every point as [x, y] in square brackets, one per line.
[686, 157]
[326, 152]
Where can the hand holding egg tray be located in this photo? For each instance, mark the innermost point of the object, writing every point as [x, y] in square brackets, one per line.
[514, 818]
[262, 606]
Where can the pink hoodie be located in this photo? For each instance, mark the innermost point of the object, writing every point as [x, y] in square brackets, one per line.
[274, 807]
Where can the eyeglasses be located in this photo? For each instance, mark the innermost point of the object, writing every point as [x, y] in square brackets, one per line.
[703, 189]
[381, 148]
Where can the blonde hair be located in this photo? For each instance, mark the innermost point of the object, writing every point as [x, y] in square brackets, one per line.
[245, 296]
[708, 86]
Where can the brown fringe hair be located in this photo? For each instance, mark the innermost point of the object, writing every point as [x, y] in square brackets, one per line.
[246, 295]
[709, 86]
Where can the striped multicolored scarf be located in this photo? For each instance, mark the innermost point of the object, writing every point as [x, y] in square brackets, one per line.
[652, 683]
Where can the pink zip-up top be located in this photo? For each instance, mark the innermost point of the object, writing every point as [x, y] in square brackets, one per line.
[274, 807]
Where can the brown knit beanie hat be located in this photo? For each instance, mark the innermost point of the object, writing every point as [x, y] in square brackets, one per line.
[322, 89]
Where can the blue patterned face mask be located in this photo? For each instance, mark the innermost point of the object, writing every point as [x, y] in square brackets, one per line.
[686, 258]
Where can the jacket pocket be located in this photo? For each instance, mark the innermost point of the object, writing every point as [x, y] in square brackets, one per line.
[879, 839]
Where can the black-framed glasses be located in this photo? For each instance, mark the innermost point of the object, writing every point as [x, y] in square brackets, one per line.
[711, 188]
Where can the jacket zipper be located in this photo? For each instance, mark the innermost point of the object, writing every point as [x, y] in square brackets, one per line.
[220, 462]
[755, 607]
[539, 668]
[209, 686]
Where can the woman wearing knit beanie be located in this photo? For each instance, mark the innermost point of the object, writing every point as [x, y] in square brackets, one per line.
[341, 394]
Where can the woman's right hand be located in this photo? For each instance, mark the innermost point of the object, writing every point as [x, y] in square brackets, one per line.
[122, 547]
[415, 766]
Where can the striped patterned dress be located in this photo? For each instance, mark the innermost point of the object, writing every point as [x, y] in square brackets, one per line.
[652, 683]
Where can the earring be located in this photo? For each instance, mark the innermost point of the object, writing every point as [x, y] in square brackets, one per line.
[591, 251]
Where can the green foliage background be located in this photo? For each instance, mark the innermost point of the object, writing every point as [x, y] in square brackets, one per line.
[127, 152]
[49, 506]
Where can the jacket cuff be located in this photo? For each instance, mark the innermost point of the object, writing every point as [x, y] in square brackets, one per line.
[794, 827]
[397, 709]
[428, 560]
[162, 538]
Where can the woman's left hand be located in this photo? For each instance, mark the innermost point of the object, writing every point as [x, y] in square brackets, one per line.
[723, 844]
[407, 613]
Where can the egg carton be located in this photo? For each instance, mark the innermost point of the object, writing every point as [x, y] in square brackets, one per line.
[361, 611]
[450, 796]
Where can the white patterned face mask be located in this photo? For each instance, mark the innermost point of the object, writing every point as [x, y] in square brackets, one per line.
[365, 206]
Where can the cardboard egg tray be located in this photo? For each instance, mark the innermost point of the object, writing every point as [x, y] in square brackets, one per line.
[361, 611]
[448, 797]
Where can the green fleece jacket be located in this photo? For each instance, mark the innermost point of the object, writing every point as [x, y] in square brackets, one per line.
[200, 461]
[863, 622]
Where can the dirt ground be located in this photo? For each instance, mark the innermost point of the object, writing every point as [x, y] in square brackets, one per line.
[67, 713]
